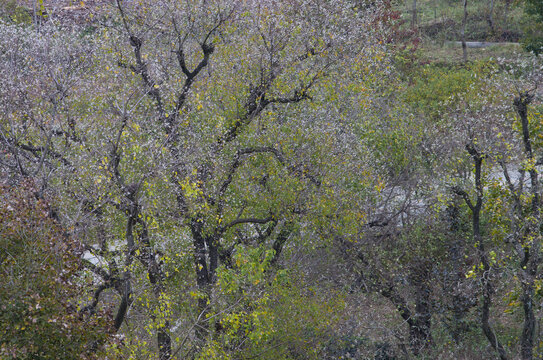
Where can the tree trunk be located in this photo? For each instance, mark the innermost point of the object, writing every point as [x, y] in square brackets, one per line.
[414, 15]
[419, 323]
[487, 285]
[531, 260]
[421, 336]
[156, 277]
[205, 251]
[478, 242]
[163, 329]
[420, 327]
[528, 331]
[487, 303]
[491, 17]
[202, 277]
[125, 289]
[460, 300]
[463, 32]
[485, 316]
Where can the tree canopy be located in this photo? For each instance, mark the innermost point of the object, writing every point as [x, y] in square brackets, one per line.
[263, 180]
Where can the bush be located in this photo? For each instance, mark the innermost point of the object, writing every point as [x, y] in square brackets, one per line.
[40, 285]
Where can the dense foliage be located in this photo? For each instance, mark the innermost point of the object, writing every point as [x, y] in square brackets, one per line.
[263, 180]
[42, 286]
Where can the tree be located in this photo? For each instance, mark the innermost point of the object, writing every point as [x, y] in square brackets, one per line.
[463, 32]
[532, 38]
[190, 141]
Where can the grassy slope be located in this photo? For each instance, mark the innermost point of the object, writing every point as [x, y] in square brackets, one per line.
[439, 23]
